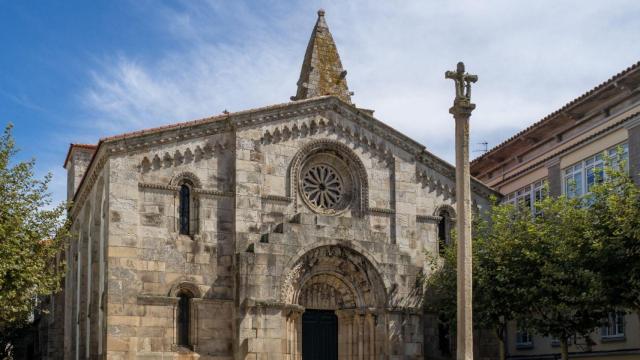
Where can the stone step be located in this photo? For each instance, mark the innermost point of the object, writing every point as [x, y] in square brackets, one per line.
[303, 219]
[320, 220]
[286, 228]
[272, 238]
[266, 248]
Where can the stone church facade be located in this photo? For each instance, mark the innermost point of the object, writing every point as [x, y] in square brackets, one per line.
[283, 232]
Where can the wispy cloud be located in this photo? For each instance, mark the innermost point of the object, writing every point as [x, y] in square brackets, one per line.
[531, 58]
[22, 100]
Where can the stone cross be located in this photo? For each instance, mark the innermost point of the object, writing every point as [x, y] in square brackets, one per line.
[463, 82]
[461, 111]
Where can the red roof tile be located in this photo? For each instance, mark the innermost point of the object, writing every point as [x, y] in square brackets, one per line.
[580, 99]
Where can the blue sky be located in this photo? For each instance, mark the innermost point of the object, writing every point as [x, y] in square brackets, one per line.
[76, 71]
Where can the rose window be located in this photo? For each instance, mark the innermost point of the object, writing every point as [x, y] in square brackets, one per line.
[322, 186]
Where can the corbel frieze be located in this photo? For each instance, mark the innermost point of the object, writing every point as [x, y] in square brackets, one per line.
[434, 183]
[185, 156]
[312, 126]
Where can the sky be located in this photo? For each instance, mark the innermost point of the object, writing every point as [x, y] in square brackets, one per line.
[78, 71]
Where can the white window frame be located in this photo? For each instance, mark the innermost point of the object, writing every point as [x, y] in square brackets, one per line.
[615, 327]
[579, 174]
[573, 180]
[530, 193]
[524, 338]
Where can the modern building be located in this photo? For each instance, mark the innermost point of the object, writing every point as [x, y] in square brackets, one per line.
[566, 149]
[296, 230]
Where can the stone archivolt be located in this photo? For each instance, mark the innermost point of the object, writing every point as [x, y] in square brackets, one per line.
[446, 207]
[342, 268]
[338, 278]
[326, 292]
[186, 175]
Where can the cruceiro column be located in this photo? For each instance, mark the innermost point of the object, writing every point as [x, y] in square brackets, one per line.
[461, 111]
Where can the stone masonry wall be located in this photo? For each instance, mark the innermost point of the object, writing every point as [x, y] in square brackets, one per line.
[149, 260]
[254, 242]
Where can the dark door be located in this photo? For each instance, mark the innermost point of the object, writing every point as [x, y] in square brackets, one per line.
[319, 335]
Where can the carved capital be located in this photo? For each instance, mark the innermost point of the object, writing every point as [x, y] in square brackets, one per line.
[462, 108]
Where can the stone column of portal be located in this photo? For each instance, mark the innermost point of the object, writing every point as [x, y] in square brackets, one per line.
[461, 112]
[371, 328]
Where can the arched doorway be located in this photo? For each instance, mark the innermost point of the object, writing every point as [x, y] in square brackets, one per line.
[343, 299]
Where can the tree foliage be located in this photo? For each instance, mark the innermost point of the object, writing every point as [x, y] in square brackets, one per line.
[615, 219]
[32, 234]
[500, 273]
[569, 296]
[542, 270]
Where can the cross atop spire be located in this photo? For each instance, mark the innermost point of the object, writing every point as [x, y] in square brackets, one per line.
[322, 72]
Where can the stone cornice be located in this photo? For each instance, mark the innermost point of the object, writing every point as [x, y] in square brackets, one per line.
[271, 304]
[633, 122]
[214, 192]
[211, 301]
[384, 211]
[147, 299]
[152, 186]
[174, 188]
[404, 310]
[277, 198]
[427, 218]
[151, 299]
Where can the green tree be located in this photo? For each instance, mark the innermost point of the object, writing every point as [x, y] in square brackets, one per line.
[540, 270]
[502, 269]
[615, 215]
[31, 235]
[568, 293]
[500, 273]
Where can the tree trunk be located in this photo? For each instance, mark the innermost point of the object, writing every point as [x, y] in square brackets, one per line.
[501, 344]
[564, 349]
[638, 315]
[501, 348]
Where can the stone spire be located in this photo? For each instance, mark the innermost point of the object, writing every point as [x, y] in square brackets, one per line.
[322, 72]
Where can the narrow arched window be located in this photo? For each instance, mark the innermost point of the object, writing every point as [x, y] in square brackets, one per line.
[444, 231]
[185, 204]
[183, 319]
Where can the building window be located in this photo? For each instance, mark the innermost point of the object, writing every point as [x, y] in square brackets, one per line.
[614, 328]
[579, 178]
[573, 180]
[185, 207]
[524, 339]
[528, 195]
[444, 231]
[594, 171]
[183, 319]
